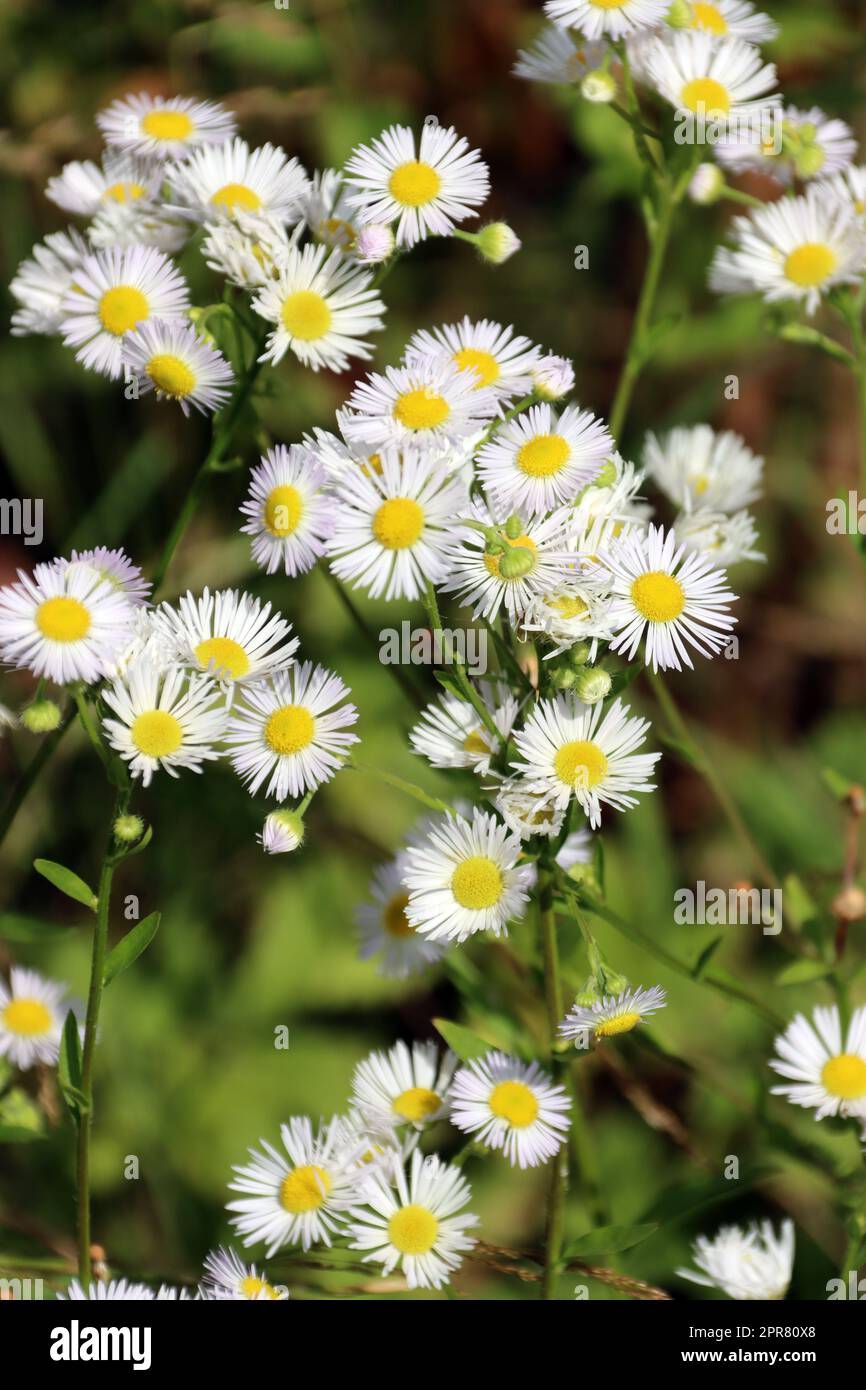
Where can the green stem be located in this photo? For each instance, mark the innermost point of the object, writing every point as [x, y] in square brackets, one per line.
[31, 772]
[472, 695]
[558, 1188]
[406, 685]
[85, 716]
[634, 360]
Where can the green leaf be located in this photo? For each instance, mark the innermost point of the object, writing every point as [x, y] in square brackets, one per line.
[68, 882]
[69, 1066]
[131, 946]
[799, 906]
[705, 957]
[803, 972]
[461, 1040]
[14, 926]
[607, 1240]
[838, 786]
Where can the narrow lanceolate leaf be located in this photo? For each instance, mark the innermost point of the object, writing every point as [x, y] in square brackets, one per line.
[15, 926]
[69, 1065]
[803, 972]
[462, 1040]
[68, 882]
[607, 1240]
[131, 947]
[706, 956]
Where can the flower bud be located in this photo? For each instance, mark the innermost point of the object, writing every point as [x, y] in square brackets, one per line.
[606, 476]
[517, 561]
[578, 655]
[598, 87]
[563, 678]
[553, 377]
[282, 832]
[592, 685]
[42, 717]
[374, 243]
[513, 527]
[128, 829]
[706, 185]
[849, 905]
[809, 161]
[680, 15]
[497, 242]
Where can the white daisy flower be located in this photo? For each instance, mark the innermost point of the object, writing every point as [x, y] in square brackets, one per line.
[291, 733]
[538, 460]
[613, 497]
[32, 1014]
[83, 187]
[116, 291]
[527, 810]
[558, 58]
[172, 359]
[375, 243]
[392, 529]
[142, 223]
[64, 622]
[813, 146]
[677, 599]
[337, 457]
[299, 1197]
[233, 636]
[322, 305]
[41, 283]
[226, 1276]
[165, 128]
[734, 19]
[553, 377]
[288, 515]
[849, 188]
[795, 248]
[451, 734]
[612, 1015]
[413, 1222]
[429, 405]
[327, 211]
[427, 190]
[723, 539]
[700, 469]
[574, 751]
[386, 931]
[576, 614]
[248, 249]
[116, 568]
[751, 1264]
[464, 878]
[615, 19]
[495, 356]
[541, 565]
[828, 1072]
[100, 1291]
[719, 80]
[219, 180]
[403, 1086]
[511, 1105]
[165, 720]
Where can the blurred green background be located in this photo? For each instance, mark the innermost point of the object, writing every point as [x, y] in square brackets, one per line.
[187, 1074]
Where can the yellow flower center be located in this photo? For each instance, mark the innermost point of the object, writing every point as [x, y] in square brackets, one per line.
[492, 561]
[306, 315]
[121, 309]
[371, 465]
[417, 1104]
[414, 183]
[483, 364]
[398, 523]
[543, 456]
[810, 264]
[341, 233]
[568, 607]
[707, 96]
[421, 409]
[167, 125]
[124, 192]
[252, 1287]
[623, 1023]
[27, 1017]
[608, 4]
[394, 918]
[290, 729]
[170, 374]
[474, 743]
[305, 1189]
[477, 883]
[845, 1076]
[156, 733]
[412, 1230]
[63, 620]
[580, 763]
[236, 195]
[514, 1102]
[658, 596]
[708, 17]
[283, 510]
[223, 654]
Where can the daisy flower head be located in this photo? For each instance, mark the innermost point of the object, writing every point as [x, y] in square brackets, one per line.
[734, 19]
[288, 515]
[700, 469]
[116, 291]
[291, 733]
[217, 181]
[141, 223]
[793, 249]
[116, 568]
[297, 1196]
[32, 1014]
[327, 211]
[100, 1290]
[392, 528]
[164, 719]
[465, 878]
[674, 598]
[450, 732]
[427, 404]
[172, 359]
[848, 188]
[574, 614]
[85, 187]
[415, 1221]
[322, 304]
[41, 282]
[386, 931]
[227, 1276]
[570, 750]
[527, 810]
[610, 503]
[613, 19]
[339, 458]
[724, 540]
[515, 571]
[557, 58]
[824, 1070]
[553, 377]
[610, 1016]
[511, 1105]
[249, 249]
[496, 357]
[164, 128]
[426, 188]
[813, 146]
[540, 460]
[751, 1264]
[723, 82]
[404, 1085]
[233, 636]
[64, 622]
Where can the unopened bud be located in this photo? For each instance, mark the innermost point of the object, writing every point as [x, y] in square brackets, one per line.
[849, 905]
[42, 717]
[707, 184]
[128, 829]
[680, 15]
[598, 87]
[282, 832]
[592, 685]
[606, 475]
[374, 243]
[809, 161]
[563, 678]
[553, 377]
[497, 242]
[513, 527]
[517, 561]
[578, 655]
